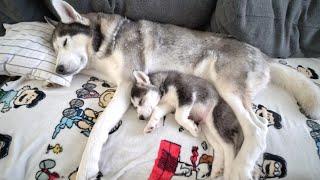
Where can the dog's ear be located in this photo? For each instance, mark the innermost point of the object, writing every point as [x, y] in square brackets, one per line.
[50, 21]
[66, 12]
[141, 77]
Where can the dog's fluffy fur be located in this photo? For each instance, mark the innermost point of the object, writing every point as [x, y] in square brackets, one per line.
[112, 47]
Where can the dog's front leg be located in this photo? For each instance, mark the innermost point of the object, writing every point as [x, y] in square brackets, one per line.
[159, 112]
[89, 167]
[181, 116]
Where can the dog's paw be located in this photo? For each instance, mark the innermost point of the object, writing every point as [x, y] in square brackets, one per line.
[193, 129]
[240, 171]
[152, 125]
[216, 173]
[256, 173]
[148, 129]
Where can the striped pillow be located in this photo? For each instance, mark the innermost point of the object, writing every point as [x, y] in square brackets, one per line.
[25, 50]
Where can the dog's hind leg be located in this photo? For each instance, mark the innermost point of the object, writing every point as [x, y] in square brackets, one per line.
[89, 166]
[302, 88]
[256, 81]
[230, 80]
[254, 136]
[223, 152]
[218, 162]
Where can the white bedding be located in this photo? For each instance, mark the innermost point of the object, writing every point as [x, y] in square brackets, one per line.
[31, 136]
[26, 50]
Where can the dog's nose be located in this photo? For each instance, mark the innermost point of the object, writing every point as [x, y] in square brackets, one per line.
[60, 69]
[141, 117]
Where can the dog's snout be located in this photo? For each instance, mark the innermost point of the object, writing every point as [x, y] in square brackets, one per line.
[141, 117]
[60, 69]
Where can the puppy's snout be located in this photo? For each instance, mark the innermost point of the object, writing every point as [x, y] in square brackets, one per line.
[141, 117]
[60, 69]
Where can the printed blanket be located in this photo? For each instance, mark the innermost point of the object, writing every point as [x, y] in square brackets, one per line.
[43, 133]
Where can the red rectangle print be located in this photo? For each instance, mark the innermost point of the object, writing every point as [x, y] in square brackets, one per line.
[166, 163]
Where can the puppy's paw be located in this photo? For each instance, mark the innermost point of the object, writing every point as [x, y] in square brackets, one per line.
[152, 124]
[148, 129]
[193, 129]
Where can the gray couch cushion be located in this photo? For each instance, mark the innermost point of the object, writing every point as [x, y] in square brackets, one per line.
[279, 28]
[188, 13]
[13, 11]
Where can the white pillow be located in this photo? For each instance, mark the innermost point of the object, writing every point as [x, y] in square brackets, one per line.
[25, 50]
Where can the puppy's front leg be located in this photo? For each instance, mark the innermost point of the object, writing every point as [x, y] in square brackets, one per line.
[89, 166]
[181, 116]
[159, 112]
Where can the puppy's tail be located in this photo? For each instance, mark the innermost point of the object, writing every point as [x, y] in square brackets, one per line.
[303, 89]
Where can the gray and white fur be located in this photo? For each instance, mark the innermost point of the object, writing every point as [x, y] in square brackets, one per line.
[111, 47]
[195, 102]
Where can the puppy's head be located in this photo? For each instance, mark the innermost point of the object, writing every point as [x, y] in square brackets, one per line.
[144, 96]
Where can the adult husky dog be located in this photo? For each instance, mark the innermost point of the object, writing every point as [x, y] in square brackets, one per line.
[113, 47]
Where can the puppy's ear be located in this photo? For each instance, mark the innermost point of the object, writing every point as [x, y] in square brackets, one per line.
[50, 21]
[66, 12]
[141, 77]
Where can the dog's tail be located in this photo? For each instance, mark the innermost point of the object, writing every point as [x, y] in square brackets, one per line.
[302, 88]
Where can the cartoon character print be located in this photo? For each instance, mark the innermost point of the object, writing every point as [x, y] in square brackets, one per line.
[272, 166]
[168, 163]
[116, 127]
[45, 172]
[25, 96]
[106, 97]
[315, 133]
[87, 91]
[204, 145]
[202, 169]
[5, 141]
[83, 119]
[4, 79]
[308, 72]
[274, 119]
[56, 149]
[98, 82]
[194, 157]
[181, 129]
[73, 175]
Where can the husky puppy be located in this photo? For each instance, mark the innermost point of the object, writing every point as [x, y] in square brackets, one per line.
[195, 102]
[111, 47]
[160, 93]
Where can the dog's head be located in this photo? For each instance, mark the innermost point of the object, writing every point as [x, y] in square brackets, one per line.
[70, 39]
[144, 96]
